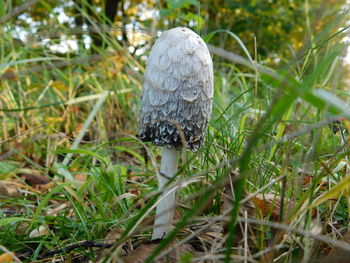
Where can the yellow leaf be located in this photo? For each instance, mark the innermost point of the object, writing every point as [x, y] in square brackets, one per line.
[346, 124]
[6, 258]
[52, 120]
[334, 192]
[59, 85]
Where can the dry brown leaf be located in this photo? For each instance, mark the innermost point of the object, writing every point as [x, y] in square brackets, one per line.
[22, 228]
[113, 235]
[48, 186]
[15, 188]
[34, 179]
[56, 210]
[268, 205]
[308, 180]
[81, 178]
[9, 189]
[140, 254]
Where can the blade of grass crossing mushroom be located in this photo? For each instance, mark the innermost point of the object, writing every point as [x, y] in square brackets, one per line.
[199, 205]
[61, 168]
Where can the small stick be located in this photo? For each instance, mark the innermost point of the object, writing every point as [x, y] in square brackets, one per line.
[20, 134]
[69, 248]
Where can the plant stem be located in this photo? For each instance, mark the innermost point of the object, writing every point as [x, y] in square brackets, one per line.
[166, 205]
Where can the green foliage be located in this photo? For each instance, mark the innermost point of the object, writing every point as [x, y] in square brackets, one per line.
[279, 27]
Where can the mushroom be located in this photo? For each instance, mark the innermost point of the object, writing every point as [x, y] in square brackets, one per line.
[176, 106]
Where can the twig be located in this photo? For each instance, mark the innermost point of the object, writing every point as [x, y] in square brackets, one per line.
[91, 29]
[308, 129]
[57, 65]
[69, 248]
[20, 134]
[68, 102]
[220, 52]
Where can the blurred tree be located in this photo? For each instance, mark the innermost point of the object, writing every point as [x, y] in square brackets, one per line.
[106, 18]
[279, 27]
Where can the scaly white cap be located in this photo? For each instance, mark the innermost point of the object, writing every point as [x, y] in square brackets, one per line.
[177, 91]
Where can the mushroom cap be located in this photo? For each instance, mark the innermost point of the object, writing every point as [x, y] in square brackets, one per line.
[177, 91]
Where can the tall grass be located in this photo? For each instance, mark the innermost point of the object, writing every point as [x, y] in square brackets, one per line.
[268, 140]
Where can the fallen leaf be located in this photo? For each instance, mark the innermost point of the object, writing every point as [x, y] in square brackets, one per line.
[56, 210]
[4, 258]
[48, 186]
[81, 178]
[308, 180]
[140, 254]
[40, 231]
[9, 189]
[269, 205]
[33, 179]
[22, 228]
[113, 235]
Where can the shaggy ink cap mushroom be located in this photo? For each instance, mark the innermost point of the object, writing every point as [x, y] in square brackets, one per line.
[176, 106]
[177, 91]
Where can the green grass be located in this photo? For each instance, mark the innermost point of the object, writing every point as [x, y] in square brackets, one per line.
[247, 148]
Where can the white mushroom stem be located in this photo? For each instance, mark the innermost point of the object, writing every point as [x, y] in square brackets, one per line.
[166, 205]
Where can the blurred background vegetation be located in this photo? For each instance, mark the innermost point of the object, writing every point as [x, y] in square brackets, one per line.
[71, 71]
[279, 27]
